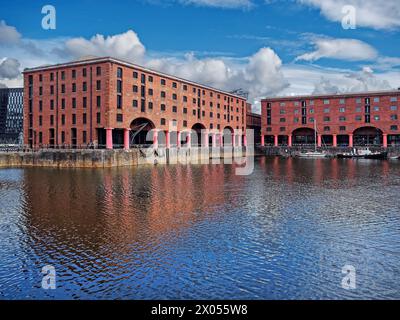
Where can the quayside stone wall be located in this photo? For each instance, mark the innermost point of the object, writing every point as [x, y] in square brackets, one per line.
[114, 158]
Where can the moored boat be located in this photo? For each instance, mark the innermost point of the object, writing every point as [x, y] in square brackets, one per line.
[363, 154]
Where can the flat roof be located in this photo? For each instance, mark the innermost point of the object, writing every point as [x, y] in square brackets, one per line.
[334, 95]
[127, 64]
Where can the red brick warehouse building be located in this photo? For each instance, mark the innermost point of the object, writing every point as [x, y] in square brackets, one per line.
[354, 119]
[106, 102]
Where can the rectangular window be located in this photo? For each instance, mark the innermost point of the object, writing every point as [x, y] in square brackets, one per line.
[51, 104]
[84, 72]
[84, 118]
[135, 89]
[98, 101]
[134, 103]
[63, 88]
[74, 87]
[163, 107]
[74, 119]
[51, 89]
[98, 85]
[98, 117]
[98, 71]
[163, 82]
[326, 101]
[376, 99]
[393, 99]
[63, 119]
[135, 75]
[342, 110]
[84, 137]
[73, 74]
[151, 79]
[119, 101]
[73, 103]
[162, 121]
[119, 86]
[119, 73]
[84, 102]
[52, 76]
[119, 117]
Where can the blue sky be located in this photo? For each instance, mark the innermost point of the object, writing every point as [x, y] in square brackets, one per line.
[266, 47]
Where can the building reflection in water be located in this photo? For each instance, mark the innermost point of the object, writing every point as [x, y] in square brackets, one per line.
[201, 231]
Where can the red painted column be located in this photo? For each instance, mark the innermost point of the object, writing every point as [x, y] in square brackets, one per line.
[385, 140]
[351, 144]
[276, 141]
[155, 138]
[126, 139]
[245, 140]
[319, 140]
[290, 143]
[178, 139]
[168, 139]
[334, 140]
[205, 139]
[109, 138]
[214, 140]
[189, 140]
[262, 140]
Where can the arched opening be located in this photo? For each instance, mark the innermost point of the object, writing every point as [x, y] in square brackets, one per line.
[197, 135]
[368, 136]
[227, 136]
[303, 136]
[140, 127]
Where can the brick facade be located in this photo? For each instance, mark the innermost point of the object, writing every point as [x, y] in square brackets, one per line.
[356, 119]
[74, 104]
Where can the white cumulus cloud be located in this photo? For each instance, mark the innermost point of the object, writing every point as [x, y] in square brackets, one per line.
[9, 69]
[220, 3]
[376, 14]
[8, 34]
[341, 49]
[125, 46]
